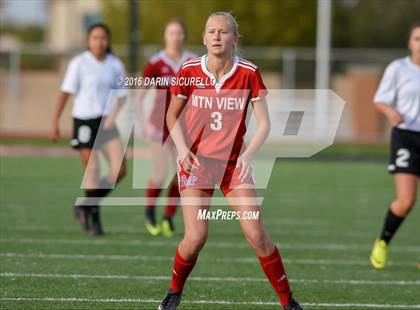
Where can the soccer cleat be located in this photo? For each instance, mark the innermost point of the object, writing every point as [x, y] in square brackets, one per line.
[96, 230]
[82, 216]
[153, 230]
[167, 226]
[152, 227]
[171, 301]
[418, 264]
[379, 255]
[292, 305]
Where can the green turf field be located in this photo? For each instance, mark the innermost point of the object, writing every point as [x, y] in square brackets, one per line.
[323, 214]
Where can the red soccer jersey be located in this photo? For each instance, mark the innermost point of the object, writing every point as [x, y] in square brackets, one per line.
[214, 117]
[160, 65]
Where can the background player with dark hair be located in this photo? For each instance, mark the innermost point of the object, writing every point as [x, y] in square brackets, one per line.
[398, 98]
[90, 77]
[165, 63]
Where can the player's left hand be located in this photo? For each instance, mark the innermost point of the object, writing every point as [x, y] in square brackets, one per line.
[246, 168]
[149, 130]
[109, 122]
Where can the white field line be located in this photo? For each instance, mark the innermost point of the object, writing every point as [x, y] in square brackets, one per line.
[234, 245]
[276, 220]
[304, 222]
[245, 260]
[136, 202]
[207, 302]
[215, 231]
[268, 220]
[189, 201]
[207, 279]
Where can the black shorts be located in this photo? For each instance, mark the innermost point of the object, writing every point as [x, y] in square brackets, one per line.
[88, 133]
[405, 152]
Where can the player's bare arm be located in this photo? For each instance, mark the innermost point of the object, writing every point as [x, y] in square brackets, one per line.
[190, 161]
[61, 103]
[139, 102]
[110, 119]
[263, 129]
[394, 118]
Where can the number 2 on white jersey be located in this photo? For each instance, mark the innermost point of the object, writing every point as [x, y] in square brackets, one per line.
[217, 121]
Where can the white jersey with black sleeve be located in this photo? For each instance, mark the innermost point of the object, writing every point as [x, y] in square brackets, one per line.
[91, 82]
[400, 88]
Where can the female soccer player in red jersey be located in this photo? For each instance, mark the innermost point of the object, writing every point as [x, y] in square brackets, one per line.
[165, 63]
[90, 78]
[209, 140]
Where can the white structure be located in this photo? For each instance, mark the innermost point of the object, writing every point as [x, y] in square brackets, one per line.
[68, 22]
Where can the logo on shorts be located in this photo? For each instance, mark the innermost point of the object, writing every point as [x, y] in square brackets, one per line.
[84, 134]
[74, 142]
[188, 181]
[191, 180]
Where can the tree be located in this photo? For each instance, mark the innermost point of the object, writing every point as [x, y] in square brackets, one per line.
[262, 22]
[373, 23]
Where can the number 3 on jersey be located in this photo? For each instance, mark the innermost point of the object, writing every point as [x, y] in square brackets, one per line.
[216, 125]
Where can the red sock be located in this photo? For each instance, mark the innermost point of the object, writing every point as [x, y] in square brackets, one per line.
[152, 193]
[182, 269]
[173, 198]
[274, 271]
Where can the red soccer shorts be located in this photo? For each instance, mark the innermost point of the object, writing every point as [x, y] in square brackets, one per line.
[210, 173]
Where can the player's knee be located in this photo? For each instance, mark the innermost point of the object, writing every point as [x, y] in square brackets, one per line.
[257, 239]
[196, 241]
[121, 173]
[403, 205]
[92, 172]
[158, 179]
[116, 174]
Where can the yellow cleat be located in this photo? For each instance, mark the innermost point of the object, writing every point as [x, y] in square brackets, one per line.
[167, 227]
[153, 230]
[418, 264]
[379, 255]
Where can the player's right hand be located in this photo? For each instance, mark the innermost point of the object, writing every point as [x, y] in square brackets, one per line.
[244, 163]
[189, 161]
[54, 134]
[149, 130]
